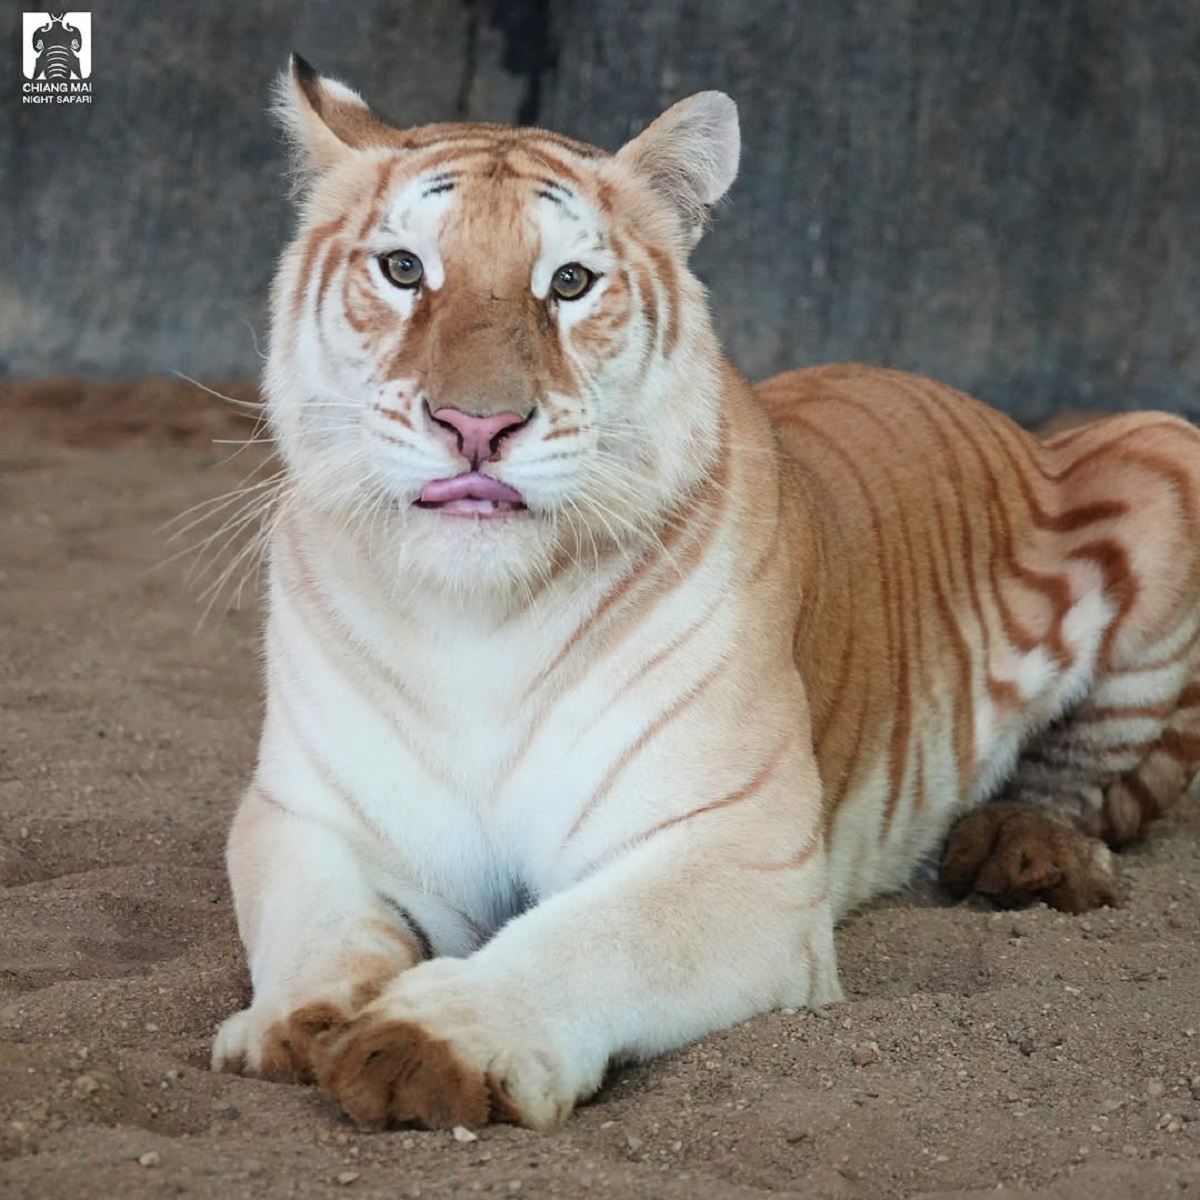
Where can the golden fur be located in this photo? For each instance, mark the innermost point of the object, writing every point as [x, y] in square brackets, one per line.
[597, 776]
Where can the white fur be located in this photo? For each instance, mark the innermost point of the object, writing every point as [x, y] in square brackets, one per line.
[364, 800]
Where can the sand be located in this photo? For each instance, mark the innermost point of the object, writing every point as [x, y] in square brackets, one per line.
[977, 1052]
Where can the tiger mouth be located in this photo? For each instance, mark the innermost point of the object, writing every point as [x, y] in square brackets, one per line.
[471, 494]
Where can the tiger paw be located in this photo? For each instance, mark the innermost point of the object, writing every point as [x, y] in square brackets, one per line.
[436, 1050]
[278, 1046]
[277, 1041]
[1015, 855]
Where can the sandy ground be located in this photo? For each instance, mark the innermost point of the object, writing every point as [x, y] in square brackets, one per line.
[977, 1052]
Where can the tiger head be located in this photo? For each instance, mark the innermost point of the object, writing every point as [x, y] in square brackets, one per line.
[487, 349]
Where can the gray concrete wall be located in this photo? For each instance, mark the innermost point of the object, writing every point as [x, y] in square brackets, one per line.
[1002, 194]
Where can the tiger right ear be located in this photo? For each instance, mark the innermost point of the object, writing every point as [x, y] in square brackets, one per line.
[689, 155]
[324, 119]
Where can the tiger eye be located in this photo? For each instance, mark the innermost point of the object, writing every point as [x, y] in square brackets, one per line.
[572, 281]
[403, 268]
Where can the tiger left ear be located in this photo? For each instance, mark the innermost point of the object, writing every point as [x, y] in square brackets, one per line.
[689, 155]
[324, 119]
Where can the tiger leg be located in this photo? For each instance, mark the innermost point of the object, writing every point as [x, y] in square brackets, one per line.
[320, 941]
[1094, 780]
[691, 928]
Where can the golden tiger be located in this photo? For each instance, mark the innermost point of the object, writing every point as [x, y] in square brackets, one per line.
[600, 684]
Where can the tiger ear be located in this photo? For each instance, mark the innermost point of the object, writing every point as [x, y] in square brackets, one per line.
[324, 120]
[689, 155]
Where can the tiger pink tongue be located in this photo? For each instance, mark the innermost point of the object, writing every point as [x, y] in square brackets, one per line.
[469, 486]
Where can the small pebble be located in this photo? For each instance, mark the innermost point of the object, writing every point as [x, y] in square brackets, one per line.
[84, 1086]
[149, 1159]
[461, 1133]
[863, 1054]
[347, 1177]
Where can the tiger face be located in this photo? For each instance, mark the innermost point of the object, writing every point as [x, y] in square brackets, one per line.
[488, 353]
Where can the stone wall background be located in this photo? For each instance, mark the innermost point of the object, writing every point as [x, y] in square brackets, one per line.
[1004, 195]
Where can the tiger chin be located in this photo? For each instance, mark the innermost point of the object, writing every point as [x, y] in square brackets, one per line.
[600, 684]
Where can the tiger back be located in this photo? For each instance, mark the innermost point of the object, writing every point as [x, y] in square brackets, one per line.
[994, 618]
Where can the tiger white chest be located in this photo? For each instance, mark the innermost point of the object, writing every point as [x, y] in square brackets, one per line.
[463, 748]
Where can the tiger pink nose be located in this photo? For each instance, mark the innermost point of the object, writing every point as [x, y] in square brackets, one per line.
[477, 435]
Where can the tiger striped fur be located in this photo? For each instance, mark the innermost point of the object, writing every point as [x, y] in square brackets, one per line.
[600, 685]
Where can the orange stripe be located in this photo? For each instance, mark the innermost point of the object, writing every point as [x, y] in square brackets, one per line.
[1119, 584]
[322, 769]
[639, 744]
[664, 270]
[1182, 747]
[744, 793]
[694, 520]
[315, 242]
[798, 860]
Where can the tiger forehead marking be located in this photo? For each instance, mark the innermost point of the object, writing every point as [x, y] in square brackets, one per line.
[601, 683]
[483, 334]
[490, 227]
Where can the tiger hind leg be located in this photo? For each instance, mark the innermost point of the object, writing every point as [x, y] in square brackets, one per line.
[1092, 781]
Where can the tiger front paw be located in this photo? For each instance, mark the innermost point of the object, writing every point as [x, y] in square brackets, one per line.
[277, 1040]
[1015, 855]
[437, 1050]
[276, 1045]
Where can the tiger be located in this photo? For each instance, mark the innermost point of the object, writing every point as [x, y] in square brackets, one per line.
[601, 684]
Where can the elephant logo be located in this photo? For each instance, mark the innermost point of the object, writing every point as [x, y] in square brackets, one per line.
[57, 46]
